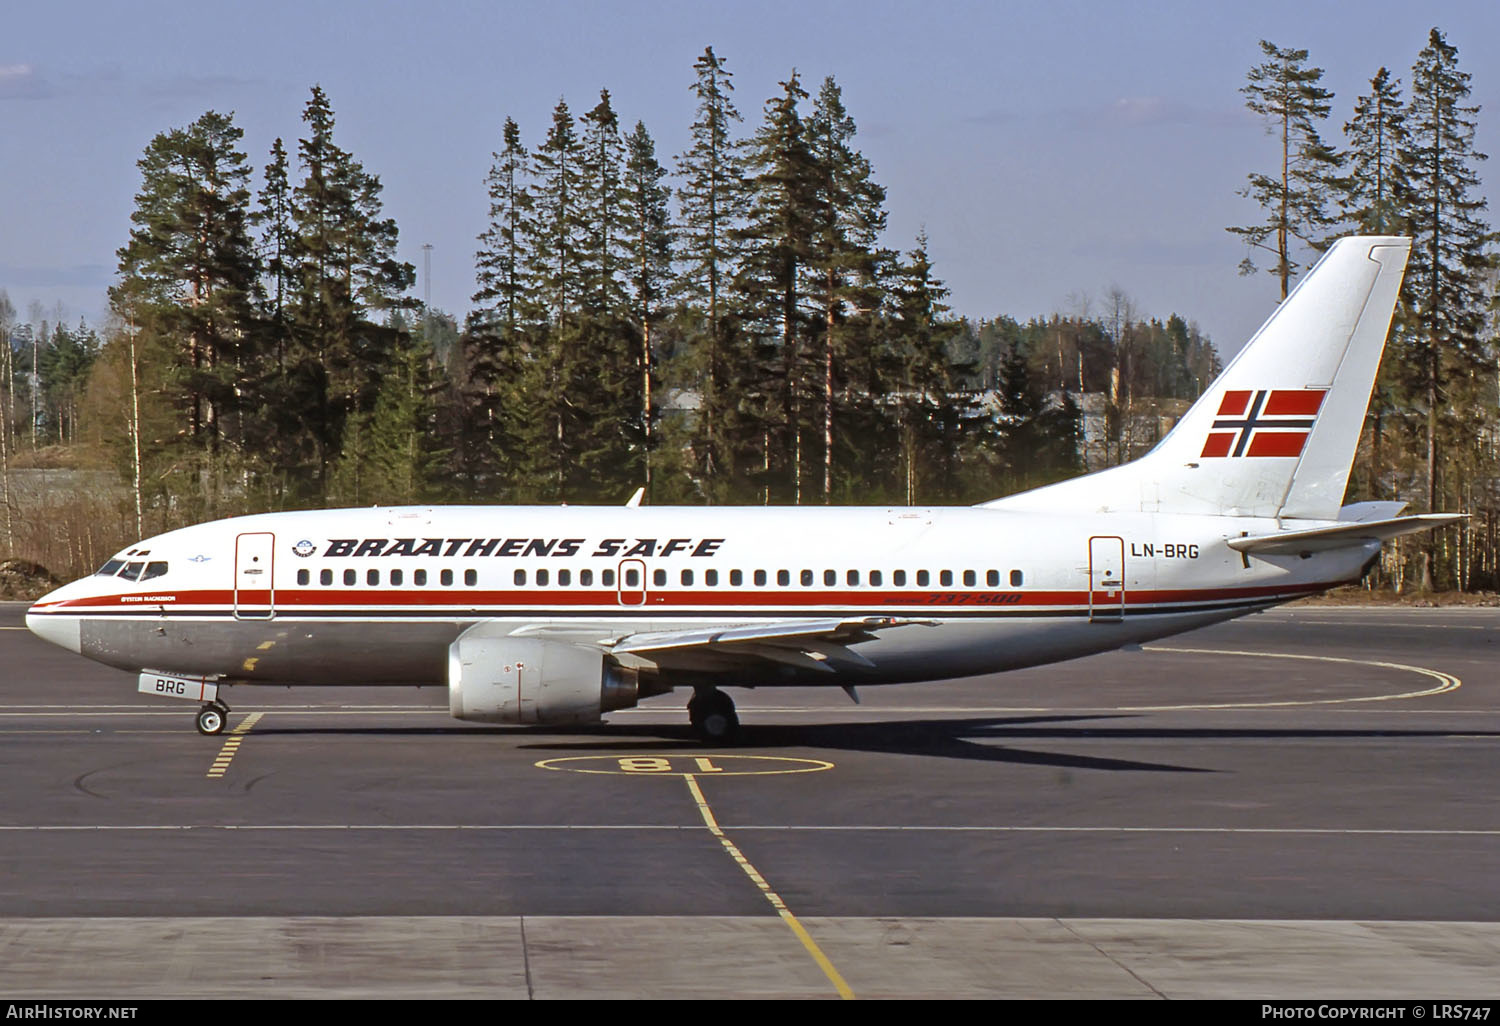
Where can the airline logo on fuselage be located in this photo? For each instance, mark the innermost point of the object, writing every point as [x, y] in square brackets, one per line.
[1267, 422]
[610, 548]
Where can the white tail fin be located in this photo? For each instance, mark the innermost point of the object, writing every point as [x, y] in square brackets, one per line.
[1276, 434]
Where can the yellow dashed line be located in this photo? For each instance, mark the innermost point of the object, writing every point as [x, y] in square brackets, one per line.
[845, 991]
[232, 745]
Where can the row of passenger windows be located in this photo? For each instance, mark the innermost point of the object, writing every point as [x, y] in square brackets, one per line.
[397, 577]
[631, 578]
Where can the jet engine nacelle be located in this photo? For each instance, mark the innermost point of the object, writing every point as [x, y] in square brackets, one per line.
[524, 680]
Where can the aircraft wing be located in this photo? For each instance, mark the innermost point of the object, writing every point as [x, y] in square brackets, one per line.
[1320, 539]
[820, 645]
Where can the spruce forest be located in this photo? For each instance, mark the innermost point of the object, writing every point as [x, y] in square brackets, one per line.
[725, 325]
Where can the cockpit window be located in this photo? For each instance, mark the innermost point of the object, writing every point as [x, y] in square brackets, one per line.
[154, 570]
[111, 568]
[132, 571]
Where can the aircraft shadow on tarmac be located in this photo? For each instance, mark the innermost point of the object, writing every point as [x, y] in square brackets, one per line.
[987, 739]
[981, 740]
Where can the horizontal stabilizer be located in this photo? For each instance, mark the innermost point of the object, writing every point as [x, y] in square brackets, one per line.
[1321, 539]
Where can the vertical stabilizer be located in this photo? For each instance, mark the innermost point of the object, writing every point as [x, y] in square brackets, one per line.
[1275, 435]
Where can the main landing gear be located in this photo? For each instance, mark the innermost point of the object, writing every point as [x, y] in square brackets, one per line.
[712, 715]
[213, 717]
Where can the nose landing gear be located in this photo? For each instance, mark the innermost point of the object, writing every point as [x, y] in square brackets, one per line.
[213, 718]
[711, 712]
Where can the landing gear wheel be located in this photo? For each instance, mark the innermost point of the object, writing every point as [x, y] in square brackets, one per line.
[212, 719]
[713, 717]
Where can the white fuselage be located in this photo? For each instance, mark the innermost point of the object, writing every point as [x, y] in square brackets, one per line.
[376, 596]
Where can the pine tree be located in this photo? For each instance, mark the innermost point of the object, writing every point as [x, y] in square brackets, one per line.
[1443, 360]
[558, 239]
[711, 201]
[348, 283]
[502, 297]
[1371, 197]
[775, 251]
[849, 216]
[602, 207]
[63, 371]
[7, 415]
[506, 323]
[1286, 93]
[188, 275]
[931, 423]
[277, 247]
[405, 454]
[1039, 439]
[557, 244]
[646, 233]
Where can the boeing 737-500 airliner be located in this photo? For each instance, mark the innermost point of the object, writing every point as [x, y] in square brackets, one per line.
[561, 614]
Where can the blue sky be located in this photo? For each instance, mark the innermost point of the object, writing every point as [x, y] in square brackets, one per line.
[1050, 150]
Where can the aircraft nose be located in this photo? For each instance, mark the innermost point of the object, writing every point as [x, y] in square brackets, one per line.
[50, 623]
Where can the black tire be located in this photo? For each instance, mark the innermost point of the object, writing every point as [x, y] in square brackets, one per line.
[714, 718]
[211, 720]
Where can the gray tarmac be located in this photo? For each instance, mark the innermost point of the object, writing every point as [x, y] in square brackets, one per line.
[1300, 804]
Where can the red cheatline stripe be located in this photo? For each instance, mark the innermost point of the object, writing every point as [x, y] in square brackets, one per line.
[727, 599]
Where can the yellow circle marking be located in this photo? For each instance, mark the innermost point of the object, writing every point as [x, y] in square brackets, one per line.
[679, 765]
[1446, 681]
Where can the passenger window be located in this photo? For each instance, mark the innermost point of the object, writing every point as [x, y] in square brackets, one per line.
[783, 578]
[564, 578]
[325, 577]
[350, 577]
[519, 577]
[1015, 578]
[632, 578]
[419, 578]
[807, 578]
[541, 578]
[607, 578]
[446, 578]
[898, 578]
[372, 577]
[659, 578]
[830, 578]
[471, 578]
[303, 577]
[710, 577]
[760, 578]
[687, 578]
[945, 578]
[154, 570]
[852, 577]
[736, 578]
[397, 577]
[970, 579]
[992, 578]
[922, 578]
[875, 578]
[586, 578]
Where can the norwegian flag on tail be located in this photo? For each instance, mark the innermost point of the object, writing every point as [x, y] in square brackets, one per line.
[1267, 422]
